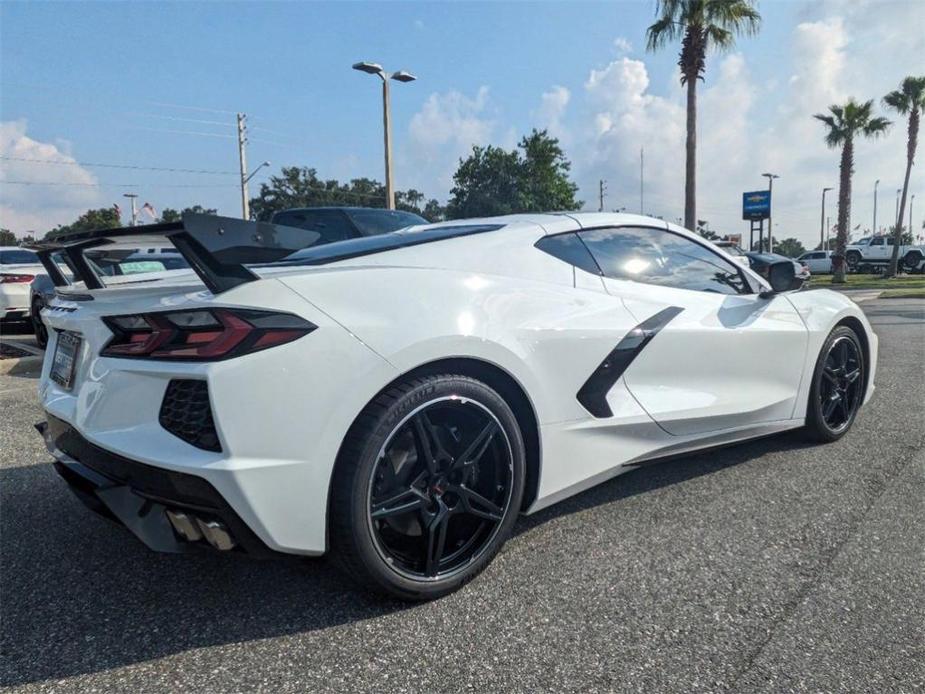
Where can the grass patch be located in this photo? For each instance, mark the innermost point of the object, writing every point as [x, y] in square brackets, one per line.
[903, 294]
[870, 282]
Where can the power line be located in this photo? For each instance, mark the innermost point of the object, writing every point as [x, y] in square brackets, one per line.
[180, 132]
[190, 108]
[180, 118]
[119, 185]
[118, 166]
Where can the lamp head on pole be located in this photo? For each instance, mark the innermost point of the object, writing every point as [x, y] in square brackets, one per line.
[371, 68]
[403, 76]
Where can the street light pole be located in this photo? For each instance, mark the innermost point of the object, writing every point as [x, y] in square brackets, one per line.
[896, 223]
[770, 178]
[874, 230]
[400, 76]
[822, 221]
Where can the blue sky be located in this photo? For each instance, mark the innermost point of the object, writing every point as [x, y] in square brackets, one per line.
[117, 82]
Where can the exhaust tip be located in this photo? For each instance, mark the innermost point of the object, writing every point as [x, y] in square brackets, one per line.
[216, 534]
[185, 526]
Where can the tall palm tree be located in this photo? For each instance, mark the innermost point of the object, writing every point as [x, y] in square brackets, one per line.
[700, 24]
[844, 124]
[908, 100]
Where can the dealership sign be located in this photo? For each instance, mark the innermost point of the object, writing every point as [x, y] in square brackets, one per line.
[756, 205]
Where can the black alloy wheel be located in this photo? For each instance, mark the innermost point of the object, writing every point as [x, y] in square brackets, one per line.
[428, 507]
[838, 386]
[440, 488]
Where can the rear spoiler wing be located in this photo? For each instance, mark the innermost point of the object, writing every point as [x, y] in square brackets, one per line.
[217, 248]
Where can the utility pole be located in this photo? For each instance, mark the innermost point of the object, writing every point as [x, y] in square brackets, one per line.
[770, 178]
[242, 158]
[827, 227]
[874, 229]
[602, 187]
[822, 224]
[132, 196]
[642, 180]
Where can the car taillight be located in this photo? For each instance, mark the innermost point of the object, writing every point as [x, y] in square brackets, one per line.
[201, 334]
[16, 279]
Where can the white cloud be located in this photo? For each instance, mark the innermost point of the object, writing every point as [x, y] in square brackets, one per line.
[25, 208]
[443, 130]
[622, 45]
[552, 108]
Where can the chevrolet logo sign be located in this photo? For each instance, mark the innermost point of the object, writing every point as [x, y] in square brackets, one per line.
[756, 198]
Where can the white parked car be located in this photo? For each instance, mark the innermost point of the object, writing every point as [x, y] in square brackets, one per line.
[818, 262]
[18, 267]
[401, 399]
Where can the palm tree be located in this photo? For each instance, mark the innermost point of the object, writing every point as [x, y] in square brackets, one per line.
[908, 100]
[844, 124]
[700, 24]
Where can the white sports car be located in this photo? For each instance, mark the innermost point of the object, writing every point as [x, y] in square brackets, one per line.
[400, 399]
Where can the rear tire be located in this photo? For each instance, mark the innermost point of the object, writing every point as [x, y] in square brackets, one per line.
[837, 388]
[38, 326]
[427, 486]
[912, 260]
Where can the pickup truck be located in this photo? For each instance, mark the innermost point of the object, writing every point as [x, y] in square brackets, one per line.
[878, 250]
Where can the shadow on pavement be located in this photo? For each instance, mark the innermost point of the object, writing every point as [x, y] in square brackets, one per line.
[81, 595]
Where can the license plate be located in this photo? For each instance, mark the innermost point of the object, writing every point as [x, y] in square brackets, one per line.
[65, 360]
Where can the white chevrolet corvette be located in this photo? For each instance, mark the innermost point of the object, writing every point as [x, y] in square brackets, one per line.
[400, 399]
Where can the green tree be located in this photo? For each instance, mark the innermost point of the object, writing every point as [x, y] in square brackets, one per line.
[168, 214]
[91, 220]
[703, 228]
[8, 238]
[792, 248]
[532, 178]
[700, 24]
[300, 186]
[908, 100]
[843, 124]
[433, 211]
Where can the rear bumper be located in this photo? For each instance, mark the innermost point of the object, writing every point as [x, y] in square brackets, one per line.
[138, 496]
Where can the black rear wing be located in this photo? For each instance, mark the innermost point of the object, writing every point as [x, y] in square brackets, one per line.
[217, 248]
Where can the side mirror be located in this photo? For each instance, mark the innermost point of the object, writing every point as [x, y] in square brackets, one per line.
[781, 275]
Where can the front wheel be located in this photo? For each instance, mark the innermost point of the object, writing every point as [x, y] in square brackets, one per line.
[427, 486]
[852, 258]
[837, 388]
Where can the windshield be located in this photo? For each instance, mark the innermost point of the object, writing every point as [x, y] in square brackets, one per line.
[18, 257]
[372, 222]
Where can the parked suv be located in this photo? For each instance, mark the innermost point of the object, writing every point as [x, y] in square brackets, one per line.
[818, 262]
[878, 250]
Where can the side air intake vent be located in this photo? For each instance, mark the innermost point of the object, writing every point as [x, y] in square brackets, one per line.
[186, 413]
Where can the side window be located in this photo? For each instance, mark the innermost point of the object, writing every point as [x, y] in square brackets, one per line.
[569, 247]
[656, 256]
[330, 225]
[877, 242]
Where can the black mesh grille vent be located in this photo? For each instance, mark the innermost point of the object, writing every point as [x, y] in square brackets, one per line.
[185, 412]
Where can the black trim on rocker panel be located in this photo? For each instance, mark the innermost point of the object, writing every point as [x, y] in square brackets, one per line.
[593, 393]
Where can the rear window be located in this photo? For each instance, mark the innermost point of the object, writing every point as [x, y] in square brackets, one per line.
[372, 222]
[18, 258]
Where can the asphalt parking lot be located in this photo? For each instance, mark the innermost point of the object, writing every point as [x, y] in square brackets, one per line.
[770, 566]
